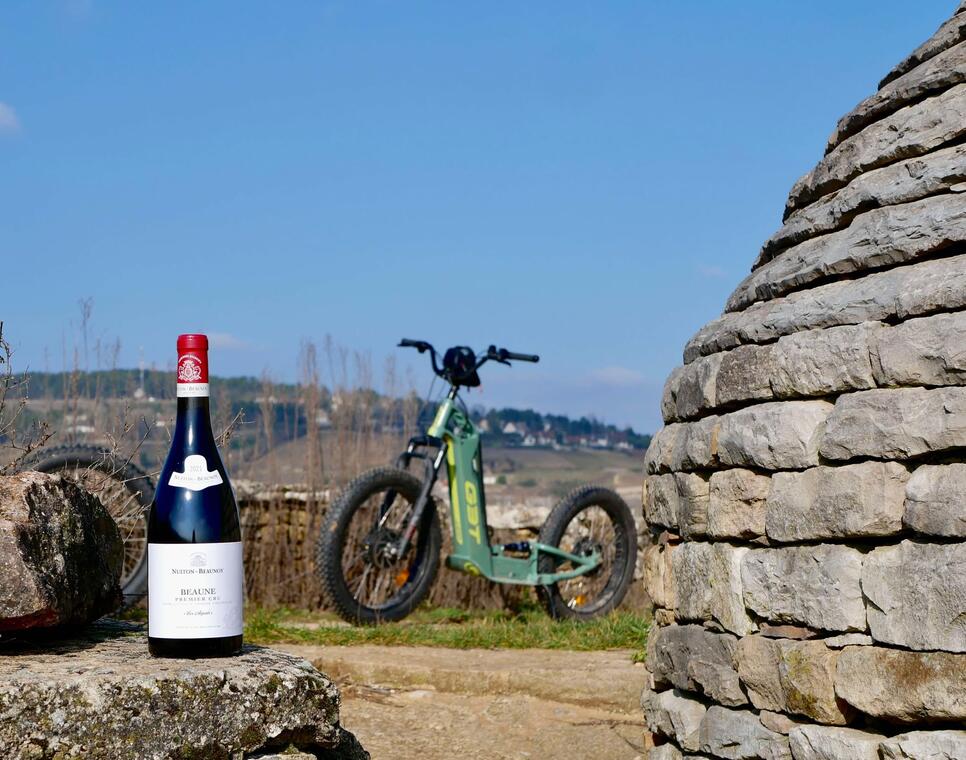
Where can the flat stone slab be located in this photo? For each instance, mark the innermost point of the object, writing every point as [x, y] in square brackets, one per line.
[607, 680]
[101, 695]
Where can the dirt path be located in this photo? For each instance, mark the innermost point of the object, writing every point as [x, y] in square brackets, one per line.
[422, 703]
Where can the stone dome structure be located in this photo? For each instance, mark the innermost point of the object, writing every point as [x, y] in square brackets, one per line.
[807, 494]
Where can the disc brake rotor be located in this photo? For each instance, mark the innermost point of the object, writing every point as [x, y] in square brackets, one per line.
[380, 548]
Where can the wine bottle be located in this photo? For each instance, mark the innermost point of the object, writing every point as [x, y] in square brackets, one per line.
[195, 579]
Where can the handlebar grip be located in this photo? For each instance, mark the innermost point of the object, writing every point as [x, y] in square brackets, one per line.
[419, 345]
[521, 357]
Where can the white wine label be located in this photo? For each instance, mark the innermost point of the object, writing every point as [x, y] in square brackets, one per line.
[195, 591]
[192, 389]
[196, 475]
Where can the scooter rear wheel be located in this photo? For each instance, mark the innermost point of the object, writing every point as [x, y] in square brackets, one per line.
[589, 519]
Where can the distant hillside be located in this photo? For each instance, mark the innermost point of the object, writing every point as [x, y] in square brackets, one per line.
[52, 394]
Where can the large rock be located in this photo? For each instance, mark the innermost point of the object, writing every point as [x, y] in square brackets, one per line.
[816, 586]
[901, 182]
[736, 508]
[692, 658]
[793, 677]
[832, 743]
[896, 685]
[882, 237]
[100, 695]
[925, 745]
[671, 714]
[856, 500]
[926, 351]
[896, 424]
[934, 500]
[60, 554]
[910, 131]
[917, 595]
[773, 436]
[739, 735]
[899, 293]
[707, 585]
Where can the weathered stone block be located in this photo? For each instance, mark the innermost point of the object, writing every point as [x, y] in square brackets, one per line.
[773, 436]
[99, 694]
[691, 390]
[707, 585]
[816, 586]
[934, 500]
[901, 182]
[743, 374]
[778, 722]
[802, 365]
[791, 677]
[896, 424]
[882, 237]
[848, 640]
[665, 752]
[736, 507]
[60, 554]
[830, 743]
[856, 500]
[657, 575]
[683, 446]
[910, 131]
[897, 685]
[898, 293]
[671, 714]
[917, 595]
[925, 745]
[824, 362]
[944, 70]
[694, 494]
[657, 458]
[739, 735]
[669, 396]
[950, 33]
[661, 501]
[692, 658]
[925, 351]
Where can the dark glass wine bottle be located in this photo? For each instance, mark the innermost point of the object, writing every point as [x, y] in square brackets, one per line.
[195, 579]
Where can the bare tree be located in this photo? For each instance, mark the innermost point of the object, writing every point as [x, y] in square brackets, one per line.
[13, 403]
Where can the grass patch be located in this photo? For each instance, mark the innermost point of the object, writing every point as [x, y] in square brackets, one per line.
[529, 628]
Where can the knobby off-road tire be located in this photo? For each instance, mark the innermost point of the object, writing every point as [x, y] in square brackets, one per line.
[124, 489]
[587, 518]
[357, 581]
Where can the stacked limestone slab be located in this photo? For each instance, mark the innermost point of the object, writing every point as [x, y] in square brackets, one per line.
[808, 492]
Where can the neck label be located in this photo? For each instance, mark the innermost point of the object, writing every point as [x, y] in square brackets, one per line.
[192, 390]
[192, 373]
[196, 475]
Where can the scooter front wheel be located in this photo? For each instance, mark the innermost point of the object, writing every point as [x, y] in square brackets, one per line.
[589, 519]
[361, 577]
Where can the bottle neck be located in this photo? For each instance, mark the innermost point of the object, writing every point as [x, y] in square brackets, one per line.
[193, 424]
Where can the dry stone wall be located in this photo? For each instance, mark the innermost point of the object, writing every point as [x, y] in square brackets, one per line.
[807, 494]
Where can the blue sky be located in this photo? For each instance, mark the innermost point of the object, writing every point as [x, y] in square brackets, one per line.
[583, 180]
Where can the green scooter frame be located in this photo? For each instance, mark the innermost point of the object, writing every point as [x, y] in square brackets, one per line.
[457, 440]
